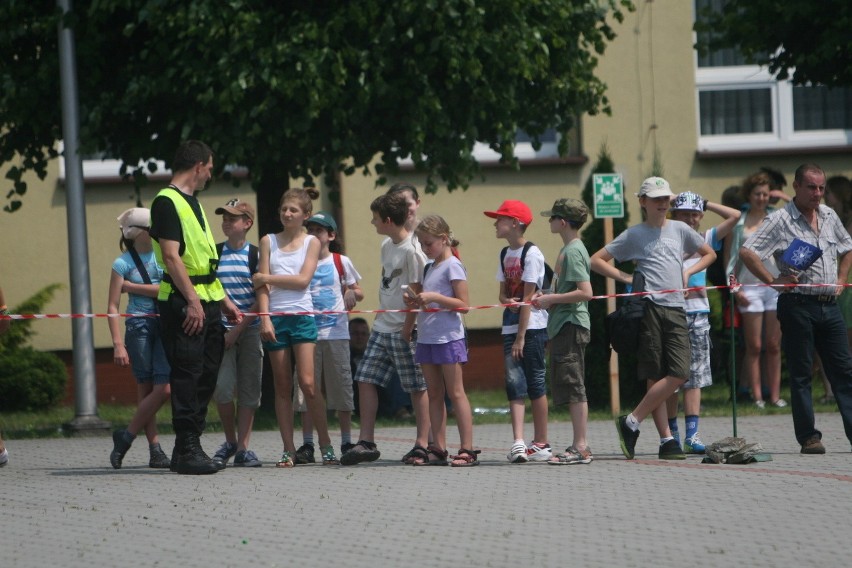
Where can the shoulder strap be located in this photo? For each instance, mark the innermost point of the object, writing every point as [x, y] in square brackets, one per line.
[503, 259]
[139, 265]
[219, 248]
[254, 254]
[527, 246]
[338, 264]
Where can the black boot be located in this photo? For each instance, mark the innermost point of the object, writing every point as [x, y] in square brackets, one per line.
[159, 459]
[191, 458]
[119, 448]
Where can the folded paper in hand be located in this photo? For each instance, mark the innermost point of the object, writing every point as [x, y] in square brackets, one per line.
[799, 256]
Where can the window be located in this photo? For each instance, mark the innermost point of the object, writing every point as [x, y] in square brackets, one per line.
[741, 107]
[101, 168]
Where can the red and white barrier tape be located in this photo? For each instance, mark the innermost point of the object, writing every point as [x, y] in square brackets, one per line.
[404, 311]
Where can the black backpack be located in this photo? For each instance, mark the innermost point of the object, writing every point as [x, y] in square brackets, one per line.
[622, 325]
[548, 271]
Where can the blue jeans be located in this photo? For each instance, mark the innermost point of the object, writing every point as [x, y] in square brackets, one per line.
[145, 349]
[803, 319]
[525, 377]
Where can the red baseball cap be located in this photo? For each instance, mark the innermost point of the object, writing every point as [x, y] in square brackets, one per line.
[514, 209]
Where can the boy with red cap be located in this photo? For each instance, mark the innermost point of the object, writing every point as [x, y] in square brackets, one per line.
[521, 274]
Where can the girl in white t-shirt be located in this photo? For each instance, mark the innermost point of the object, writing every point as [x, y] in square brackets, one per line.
[287, 262]
[441, 346]
[334, 288]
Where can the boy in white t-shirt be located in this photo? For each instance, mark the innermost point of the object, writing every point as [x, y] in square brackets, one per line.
[390, 349]
[521, 274]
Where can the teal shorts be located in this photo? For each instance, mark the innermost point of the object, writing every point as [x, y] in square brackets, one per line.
[290, 330]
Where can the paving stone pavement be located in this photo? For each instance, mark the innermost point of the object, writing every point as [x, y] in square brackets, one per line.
[62, 504]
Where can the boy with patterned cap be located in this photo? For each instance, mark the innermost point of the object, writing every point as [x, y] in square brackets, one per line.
[689, 208]
[241, 370]
[521, 274]
[657, 246]
[568, 324]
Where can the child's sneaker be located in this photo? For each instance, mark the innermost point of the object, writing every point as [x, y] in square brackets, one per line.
[225, 452]
[671, 451]
[539, 452]
[305, 454]
[693, 445]
[119, 449]
[246, 458]
[328, 457]
[346, 447]
[518, 453]
[4, 457]
[159, 459]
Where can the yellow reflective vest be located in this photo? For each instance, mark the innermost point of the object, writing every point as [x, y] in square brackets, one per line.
[199, 256]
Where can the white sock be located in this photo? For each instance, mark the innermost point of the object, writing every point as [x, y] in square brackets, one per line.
[631, 422]
[664, 440]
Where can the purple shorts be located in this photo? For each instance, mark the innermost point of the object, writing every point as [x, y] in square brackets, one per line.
[441, 353]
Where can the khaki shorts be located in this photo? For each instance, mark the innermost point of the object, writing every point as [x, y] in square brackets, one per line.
[568, 364]
[332, 375]
[241, 371]
[663, 344]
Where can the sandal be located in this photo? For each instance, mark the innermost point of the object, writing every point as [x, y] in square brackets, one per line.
[286, 460]
[466, 458]
[417, 456]
[436, 456]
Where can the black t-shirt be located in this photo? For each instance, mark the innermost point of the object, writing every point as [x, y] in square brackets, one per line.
[165, 222]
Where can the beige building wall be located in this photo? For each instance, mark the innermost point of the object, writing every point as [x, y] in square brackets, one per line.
[650, 70]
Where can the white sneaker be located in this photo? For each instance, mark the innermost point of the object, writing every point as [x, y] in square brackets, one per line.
[4, 457]
[539, 452]
[518, 453]
[780, 403]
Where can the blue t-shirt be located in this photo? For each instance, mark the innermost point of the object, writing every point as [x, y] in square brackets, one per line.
[126, 268]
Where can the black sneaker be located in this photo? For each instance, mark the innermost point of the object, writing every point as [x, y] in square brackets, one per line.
[671, 450]
[159, 459]
[626, 437]
[119, 448]
[362, 452]
[305, 454]
[346, 447]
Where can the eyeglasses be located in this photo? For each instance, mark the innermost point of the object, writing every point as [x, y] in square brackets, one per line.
[555, 217]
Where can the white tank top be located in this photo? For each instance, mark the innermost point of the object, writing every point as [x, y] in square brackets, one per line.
[288, 264]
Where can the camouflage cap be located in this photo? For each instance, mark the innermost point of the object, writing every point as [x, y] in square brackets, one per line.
[569, 209]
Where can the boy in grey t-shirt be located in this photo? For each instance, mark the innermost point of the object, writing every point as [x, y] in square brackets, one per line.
[658, 246]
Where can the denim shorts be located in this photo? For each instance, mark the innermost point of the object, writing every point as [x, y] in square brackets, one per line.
[525, 377]
[290, 330]
[145, 349]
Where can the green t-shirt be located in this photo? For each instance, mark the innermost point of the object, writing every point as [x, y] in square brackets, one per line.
[572, 266]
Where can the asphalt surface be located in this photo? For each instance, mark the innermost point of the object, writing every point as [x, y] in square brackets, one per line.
[63, 505]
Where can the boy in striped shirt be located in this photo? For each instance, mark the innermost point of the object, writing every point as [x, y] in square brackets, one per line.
[242, 365]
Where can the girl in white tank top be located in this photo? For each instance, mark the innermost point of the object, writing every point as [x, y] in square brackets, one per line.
[286, 264]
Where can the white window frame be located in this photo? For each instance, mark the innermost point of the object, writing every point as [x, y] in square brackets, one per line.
[782, 136]
[107, 170]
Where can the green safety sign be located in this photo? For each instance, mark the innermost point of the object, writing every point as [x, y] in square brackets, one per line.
[609, 196]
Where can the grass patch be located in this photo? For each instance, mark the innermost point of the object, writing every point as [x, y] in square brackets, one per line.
[492, 404]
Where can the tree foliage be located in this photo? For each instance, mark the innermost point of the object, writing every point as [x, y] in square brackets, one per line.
[302, 88]
[807, 42]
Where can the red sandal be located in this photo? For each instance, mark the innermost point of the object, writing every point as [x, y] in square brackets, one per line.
[465, 458]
